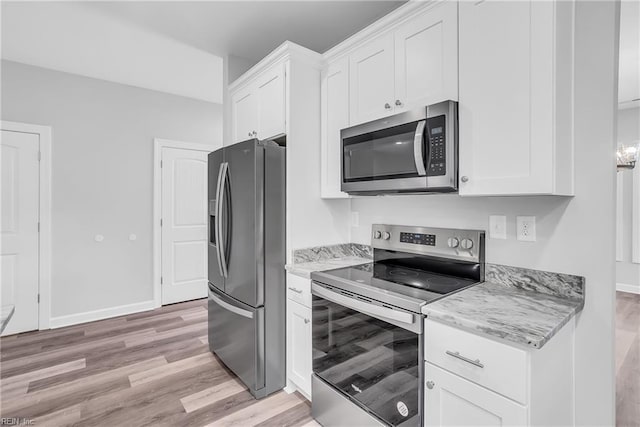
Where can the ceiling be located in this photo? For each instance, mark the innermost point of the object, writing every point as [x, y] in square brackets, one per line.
[178, 46]
[251, 29]
[175, 46]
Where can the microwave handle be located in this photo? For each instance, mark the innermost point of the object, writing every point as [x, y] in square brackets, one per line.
[418, 148]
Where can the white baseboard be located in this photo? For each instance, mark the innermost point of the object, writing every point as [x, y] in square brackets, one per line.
[105, 313]
[624, 287]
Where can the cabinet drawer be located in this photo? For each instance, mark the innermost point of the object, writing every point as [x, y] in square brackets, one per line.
[496, 366]
[299, 289]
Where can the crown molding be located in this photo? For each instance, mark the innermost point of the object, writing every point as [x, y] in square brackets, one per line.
[379, 27]
[287, 50]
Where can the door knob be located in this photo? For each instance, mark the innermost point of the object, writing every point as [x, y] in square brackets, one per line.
[306, 320]
[398, 103]
[387, 106]
[430, 385]
[464, 179]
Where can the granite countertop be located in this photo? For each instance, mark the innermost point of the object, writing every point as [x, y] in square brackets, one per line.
[527, 312]
[522, 306]
[322, 258]
[6, 312]
[304, 269]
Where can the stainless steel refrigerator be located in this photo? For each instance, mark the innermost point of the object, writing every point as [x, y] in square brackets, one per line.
[246, 262]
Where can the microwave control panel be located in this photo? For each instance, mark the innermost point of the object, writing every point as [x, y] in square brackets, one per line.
[436, 140]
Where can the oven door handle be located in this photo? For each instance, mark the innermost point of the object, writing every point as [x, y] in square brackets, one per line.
[363, 307]
[418, 148]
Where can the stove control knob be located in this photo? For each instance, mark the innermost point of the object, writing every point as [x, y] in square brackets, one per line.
[386, 235]
[377, 235]
[453, 242]
[466, 243]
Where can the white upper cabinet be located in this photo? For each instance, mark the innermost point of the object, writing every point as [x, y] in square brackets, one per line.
[514, 100]
[270, 88]
[244, 114]
[371, 80]
[426, 58]
[409, 66]
[258, 110]
[407, 61]
[335, 117]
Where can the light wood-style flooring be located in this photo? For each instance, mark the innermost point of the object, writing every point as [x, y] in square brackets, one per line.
[155, 368]
[146, 369]
[627, 359]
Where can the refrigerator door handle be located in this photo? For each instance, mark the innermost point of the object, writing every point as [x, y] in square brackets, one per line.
[217, 220]
[222, 239]
[229, 307]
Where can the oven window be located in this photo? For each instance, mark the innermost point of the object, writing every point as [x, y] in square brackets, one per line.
[382, 154]
[373, 362]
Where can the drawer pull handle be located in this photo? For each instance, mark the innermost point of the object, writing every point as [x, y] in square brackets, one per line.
[297, 291]
[457, 355]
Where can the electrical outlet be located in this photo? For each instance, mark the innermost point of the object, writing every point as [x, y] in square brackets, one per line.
[355, 219]
[497, 227]
[526, 228]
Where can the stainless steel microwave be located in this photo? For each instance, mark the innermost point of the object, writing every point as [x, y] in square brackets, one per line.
[411, 152]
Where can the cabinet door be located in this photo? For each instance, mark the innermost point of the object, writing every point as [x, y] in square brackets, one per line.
[299, 345]
[270, 91]
[505, 87]
[371, 80]
[335, 117]
[244, 114]
[426, 58]
[451, 400]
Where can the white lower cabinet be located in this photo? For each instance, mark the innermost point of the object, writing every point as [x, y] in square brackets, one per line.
[473, 380]
[298, 335]
[451, 400]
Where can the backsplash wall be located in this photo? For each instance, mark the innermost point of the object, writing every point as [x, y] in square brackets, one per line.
[555, 224]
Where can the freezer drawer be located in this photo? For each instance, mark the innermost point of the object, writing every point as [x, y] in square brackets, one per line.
[236, 336]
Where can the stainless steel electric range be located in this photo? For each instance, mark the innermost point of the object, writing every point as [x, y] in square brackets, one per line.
[367, 323]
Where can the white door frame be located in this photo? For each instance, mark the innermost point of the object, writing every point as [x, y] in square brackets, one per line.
[44, 215]
[158, 145]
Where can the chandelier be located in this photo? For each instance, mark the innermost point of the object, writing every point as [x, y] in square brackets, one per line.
[626, 156]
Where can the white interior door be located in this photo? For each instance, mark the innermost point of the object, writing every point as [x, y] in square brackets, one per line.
[19, 228]
[184, 225]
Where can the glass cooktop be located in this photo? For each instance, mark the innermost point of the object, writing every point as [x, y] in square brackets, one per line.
[383, 280]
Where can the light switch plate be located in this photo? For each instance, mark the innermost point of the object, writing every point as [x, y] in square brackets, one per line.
[497, 227]
[355, 219]
[526, 228]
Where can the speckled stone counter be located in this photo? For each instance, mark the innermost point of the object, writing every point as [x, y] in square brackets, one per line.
[306, 268]
[322, 258]
[522, 306]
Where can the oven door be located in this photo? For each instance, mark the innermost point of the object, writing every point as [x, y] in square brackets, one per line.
[370, 353]
[384, 159]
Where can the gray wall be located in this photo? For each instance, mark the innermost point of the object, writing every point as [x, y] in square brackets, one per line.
[575, 235]
[102, 176]
[627, 272]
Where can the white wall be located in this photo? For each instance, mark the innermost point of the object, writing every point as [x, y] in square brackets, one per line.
[574, 235]
[102, 172]
[79, 38]
[627, 272]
